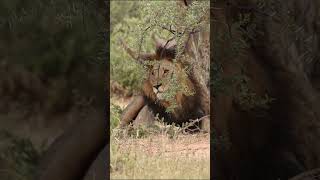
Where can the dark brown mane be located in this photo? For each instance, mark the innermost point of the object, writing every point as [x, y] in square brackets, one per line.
[163, 50]
[165, 53]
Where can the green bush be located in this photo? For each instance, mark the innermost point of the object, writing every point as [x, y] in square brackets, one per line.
[115, 112]
[19, 155]
[59, 43]
[136, 28]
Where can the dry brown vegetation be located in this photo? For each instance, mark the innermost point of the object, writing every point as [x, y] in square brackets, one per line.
[162, 152]
[160, 157]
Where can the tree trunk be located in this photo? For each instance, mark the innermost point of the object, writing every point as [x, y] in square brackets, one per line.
[198, 56]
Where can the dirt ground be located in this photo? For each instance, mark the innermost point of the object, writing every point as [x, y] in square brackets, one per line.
[159, 156]
[160, 144]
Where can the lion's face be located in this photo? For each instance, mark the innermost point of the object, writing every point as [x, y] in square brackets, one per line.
[160, 75]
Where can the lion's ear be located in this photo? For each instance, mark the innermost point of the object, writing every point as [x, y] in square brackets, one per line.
[140, 57]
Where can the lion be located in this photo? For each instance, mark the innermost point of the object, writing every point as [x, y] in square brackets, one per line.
[161, 71]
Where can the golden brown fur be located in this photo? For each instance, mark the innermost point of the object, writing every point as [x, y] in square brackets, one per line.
[159, 82]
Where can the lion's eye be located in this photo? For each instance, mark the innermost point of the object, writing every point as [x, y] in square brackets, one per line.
[152, 73]
[166, 71]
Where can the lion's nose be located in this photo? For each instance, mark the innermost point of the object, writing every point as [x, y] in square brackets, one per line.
[157, 86]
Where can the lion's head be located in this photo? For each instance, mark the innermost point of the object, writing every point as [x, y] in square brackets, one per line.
[167, 82]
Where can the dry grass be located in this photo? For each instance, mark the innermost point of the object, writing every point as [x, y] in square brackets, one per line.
[160, 152]
[161, 156]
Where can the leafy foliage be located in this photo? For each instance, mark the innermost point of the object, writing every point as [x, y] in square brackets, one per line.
[58, 42]
[164, 18]
[20, 156]
[60, 38]
[245, 31]
[123, 69]
[115, 112]
[51, 62]
[249, 100]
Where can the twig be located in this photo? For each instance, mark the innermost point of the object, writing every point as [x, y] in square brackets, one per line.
[193, 123]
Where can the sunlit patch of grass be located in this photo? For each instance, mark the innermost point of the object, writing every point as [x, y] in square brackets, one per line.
[158, 152]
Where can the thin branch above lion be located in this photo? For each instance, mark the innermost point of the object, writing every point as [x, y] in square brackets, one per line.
[167, 84]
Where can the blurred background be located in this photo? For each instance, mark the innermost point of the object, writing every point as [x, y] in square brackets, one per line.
[51, 75]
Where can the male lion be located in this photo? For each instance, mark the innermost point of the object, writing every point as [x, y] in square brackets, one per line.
[153, 100]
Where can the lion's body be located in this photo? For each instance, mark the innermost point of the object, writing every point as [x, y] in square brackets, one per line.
[187, 106]
[169, 90]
